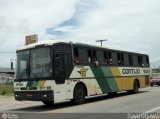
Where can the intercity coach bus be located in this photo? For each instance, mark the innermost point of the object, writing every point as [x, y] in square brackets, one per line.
[56, 71]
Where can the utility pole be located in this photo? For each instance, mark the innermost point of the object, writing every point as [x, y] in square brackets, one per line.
[11, 60]
[101, 41]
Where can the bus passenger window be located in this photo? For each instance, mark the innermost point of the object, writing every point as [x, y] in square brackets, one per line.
[76, 60]
[110, 58]
[89, 56]
[95, 61]
[147, 61]
[122, 59]
[119, 59]
[140, 61]
[76, 56]
[105, 58]
[130, 58]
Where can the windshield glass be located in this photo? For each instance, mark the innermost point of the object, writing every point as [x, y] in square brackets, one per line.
[40, 63]
[22, 64]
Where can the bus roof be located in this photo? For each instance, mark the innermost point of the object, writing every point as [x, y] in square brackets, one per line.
[45, 43]
[51, 42]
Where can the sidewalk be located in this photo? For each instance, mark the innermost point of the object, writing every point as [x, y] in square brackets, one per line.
[7, 100]
[9, 103]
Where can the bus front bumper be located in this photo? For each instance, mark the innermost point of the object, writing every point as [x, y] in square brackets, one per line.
[34, 95]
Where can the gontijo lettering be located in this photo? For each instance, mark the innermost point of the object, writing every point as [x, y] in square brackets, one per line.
[131, 71]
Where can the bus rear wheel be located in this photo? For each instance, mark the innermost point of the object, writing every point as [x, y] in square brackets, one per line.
[48, 103]
[78, 95]
[136, 87]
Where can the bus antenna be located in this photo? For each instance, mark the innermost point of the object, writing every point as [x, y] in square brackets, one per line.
[101, 41]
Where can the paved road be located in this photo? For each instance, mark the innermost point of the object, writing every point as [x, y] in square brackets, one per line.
[147, 101]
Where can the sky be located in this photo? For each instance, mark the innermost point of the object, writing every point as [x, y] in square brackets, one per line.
[130, 25]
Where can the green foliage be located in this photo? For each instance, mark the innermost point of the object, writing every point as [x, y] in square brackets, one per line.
[3, 92]
[6, 90]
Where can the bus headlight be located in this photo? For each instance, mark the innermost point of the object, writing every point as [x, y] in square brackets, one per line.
[45, 96]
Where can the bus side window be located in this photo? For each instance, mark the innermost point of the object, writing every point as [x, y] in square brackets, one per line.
[89, 56]
[147, 61]
[119, 58]
[140, 61]
[126, 60]
[114, 58]
[109, 58]
[100, 57]
[130, 58]
[83, 57]
[95, 60]
[122, 59]
[105, 58]
[76, 56]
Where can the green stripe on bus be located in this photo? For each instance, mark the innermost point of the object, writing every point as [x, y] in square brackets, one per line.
[111, 81]
[102, 81]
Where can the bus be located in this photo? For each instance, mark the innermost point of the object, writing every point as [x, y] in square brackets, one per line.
[57, 71]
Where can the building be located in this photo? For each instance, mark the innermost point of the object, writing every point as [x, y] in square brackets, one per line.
[6, 75]
[155, 72]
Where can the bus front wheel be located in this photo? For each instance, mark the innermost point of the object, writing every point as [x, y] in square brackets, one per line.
[79, 95]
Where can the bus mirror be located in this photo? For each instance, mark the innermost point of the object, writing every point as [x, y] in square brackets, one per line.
[12, 65]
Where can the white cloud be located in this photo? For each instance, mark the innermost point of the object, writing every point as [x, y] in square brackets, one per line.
[19, 18]
[128, 25]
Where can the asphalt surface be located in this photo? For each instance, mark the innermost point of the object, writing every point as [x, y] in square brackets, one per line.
[120, 105]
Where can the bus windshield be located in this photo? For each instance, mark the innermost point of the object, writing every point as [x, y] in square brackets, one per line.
[35, 63]
[22, 64]
[40, 63]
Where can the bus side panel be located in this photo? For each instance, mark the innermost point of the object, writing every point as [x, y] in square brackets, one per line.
[59, 92]
[126, 81]
[85, 75]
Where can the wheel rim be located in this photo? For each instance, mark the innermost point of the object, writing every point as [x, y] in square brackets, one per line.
[80, 95]
[136, 87]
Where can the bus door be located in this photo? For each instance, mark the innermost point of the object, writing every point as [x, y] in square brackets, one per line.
[59, 76]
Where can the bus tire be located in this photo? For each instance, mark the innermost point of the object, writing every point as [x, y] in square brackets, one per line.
[48, 103]
[78, 95]
[136, 87]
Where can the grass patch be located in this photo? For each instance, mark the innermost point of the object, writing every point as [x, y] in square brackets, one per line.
[6, 89]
